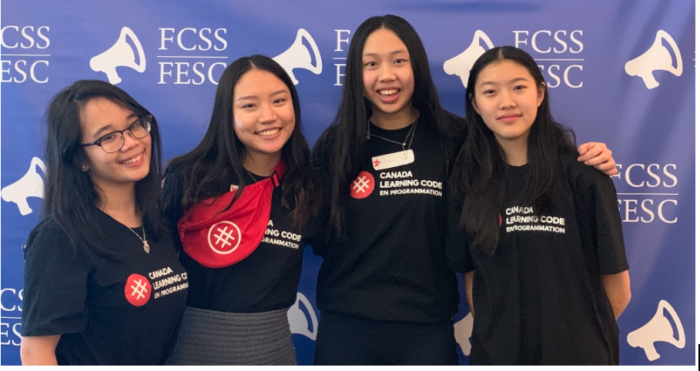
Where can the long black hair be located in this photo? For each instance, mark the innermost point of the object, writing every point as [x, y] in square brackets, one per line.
[480, 166]
[69, 193]
[208, 169]
[350, 123]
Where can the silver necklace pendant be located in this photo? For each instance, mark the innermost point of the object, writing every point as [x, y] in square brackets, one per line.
[146, 246]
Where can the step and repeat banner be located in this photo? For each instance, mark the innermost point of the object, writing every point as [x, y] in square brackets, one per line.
[620, 72]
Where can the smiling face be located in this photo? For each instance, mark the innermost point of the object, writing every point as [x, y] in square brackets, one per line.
[124, 167]
[507, 97]
[263, 113]
[387, 74]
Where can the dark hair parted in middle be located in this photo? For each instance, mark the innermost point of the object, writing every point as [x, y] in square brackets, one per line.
[479, 173]
[69, 193]
[350, 122]
[218, 158]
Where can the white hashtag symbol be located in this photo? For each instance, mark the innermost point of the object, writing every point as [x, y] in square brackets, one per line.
[224, 237]
[360, 184]
[139, 289]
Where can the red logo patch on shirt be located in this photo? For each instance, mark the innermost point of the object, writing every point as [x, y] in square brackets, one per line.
[224, 237]
[500, 220]
[137, 290]
[362, 186]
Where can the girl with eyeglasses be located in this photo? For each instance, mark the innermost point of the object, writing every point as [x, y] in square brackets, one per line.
[103, 284]
[537, 234]
[386, 293]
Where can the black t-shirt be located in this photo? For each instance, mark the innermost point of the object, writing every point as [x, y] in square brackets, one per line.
[107, 312]
[266, 280]
[540, 298]
[390, 264]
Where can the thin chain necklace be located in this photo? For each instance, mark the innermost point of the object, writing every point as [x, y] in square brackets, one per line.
[255, 180]
[411, 133]
[146, 246]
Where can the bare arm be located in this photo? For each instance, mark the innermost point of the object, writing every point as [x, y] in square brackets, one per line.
[617, 286]
[39, 350]
[468, 288]
[599, 156]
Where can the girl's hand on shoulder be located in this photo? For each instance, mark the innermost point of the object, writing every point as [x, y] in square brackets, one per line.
[599, 156]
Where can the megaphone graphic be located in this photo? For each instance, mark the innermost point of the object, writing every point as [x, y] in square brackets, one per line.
[658, 329]
[298, 56]
[298, 324]
[29, 185]
[463, 331]
[121, 54]
[462, 64]
[656, 58]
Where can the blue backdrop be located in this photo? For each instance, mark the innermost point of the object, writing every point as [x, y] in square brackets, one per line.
[620, 71]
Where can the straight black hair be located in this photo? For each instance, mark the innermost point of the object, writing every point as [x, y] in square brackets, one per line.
[208, 169]
[350, 122]
[480, 166]
[69, 193]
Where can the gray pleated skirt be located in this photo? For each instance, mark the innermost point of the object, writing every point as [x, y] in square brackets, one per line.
[218, 338]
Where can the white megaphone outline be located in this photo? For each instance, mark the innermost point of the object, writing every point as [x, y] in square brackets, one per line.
[461, 65]
[121, 54]
[654, 59]
[463, 331]
[298, 56]
[657, 329]
[298, 323]
[29, 185]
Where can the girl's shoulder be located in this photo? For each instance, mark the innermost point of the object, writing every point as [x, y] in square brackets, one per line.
[175, 170]
[174, 174]
[321, 153]
[454, 130]
[456, 125]
[48, 224]
[49, 235]
[578, 173]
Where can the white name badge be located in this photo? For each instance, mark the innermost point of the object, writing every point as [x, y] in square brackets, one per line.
[393, 160]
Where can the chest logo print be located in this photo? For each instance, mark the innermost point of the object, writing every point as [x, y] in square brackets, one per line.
[137, 290]
[224, 237]
[362, 186]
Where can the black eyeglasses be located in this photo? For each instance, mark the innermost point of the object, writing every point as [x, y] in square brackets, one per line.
[112, 142]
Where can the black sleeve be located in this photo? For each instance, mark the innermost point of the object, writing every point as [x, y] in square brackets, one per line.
[457, 127]
[596, 201]
[457, 242]
[172, 195]
[55, 283]
[455, 138]
[317, 233]
[321, 153]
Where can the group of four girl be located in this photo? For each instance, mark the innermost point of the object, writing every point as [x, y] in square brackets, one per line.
[104, 285]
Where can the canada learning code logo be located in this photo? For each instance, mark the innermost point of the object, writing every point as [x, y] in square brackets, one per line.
[362, 186]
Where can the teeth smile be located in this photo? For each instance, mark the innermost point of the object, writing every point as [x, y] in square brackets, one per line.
[269, 132]
[388, 92]
[133, 160]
